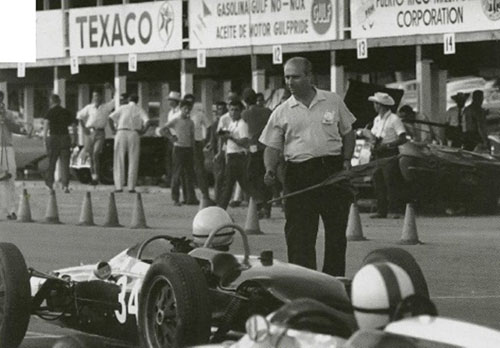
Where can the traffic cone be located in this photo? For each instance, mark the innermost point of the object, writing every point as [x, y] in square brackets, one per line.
[111, 219]
[86, 215]
[51, 214]
[252, 221]
[354, 231]
[138, 216]
[409, 236]
[24, 211]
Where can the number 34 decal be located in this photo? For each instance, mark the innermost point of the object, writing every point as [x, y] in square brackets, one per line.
[133, 303]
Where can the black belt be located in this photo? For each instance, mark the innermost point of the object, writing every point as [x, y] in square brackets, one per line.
[126, 129]
[316, 160]
[96, 129]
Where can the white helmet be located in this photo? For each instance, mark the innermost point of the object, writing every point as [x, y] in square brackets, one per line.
[376, 291]
[209, 219]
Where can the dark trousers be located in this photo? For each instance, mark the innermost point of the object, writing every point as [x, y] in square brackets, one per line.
[302, 214]
[387, 180]
[58, 147]
[199, 169]
[219, 169]
[454, 135]
[471, 140]
[235, 171]
[182, 163]
[256, 186]
[168, 160]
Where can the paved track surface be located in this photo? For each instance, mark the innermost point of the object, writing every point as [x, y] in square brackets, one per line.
[459, 256]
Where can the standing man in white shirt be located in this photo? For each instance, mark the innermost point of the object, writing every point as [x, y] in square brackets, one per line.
[236, 153]
[93, 119]
[174, 99]
[387, 133]
[200, 121]
[129, 121]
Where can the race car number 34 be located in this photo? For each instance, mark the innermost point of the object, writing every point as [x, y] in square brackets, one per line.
[130, 307]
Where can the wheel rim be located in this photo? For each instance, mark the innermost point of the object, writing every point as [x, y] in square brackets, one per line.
[162, 313]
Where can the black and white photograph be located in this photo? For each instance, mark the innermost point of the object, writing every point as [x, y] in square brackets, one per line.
[249, 173]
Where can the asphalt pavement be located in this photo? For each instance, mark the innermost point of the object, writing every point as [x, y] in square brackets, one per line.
[459, 256]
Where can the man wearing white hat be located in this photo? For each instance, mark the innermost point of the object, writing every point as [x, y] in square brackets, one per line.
[387, 133]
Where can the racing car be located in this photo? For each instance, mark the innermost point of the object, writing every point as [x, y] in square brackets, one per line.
[389, 314]
[171, 292]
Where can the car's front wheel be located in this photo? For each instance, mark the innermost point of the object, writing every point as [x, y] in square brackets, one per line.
[15, 296]
[173, 305]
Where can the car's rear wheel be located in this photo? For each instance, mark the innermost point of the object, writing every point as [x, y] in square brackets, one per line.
[406, 261]
[15, 296]
[173, 306]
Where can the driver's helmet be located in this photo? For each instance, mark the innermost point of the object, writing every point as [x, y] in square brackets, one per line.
[377, 289]
[209, 219]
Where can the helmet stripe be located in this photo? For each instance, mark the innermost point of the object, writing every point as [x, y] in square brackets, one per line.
[391, 283]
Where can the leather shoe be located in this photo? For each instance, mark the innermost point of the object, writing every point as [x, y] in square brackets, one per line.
[378, 216]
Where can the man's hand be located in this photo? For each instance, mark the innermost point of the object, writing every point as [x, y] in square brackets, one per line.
[347, 164]
[270, 178]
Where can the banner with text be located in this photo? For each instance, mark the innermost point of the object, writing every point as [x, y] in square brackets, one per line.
[49, 34]
[231, 23]
[122, 29]
[379, 18]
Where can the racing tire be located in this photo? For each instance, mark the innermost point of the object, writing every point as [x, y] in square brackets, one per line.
[174, 309]
[406, 261]
[15, 296]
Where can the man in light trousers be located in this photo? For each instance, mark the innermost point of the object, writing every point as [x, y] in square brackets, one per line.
[129, 121]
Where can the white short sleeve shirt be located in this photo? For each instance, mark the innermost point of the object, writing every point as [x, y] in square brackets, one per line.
[388, 127]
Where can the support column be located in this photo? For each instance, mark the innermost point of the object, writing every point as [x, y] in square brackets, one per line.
[143, 93]
[424, 79]
[207, 98]
[29, 104]
[337, 74]
[83, 100]
[120, 85]
[164, 108]
[59, 86]
[258, 74]
[187, 80]
[3, 88]
[365, 78]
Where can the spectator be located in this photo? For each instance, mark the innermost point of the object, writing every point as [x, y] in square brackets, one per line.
[260, 100]
[200, 129]
[173, 99]
[454, 115]
[127, 123]
[474, 123]
[8, 124]
[256, 118]
[182, 160]
[313, 128]
[236, 136]
[57, 140]
[386, 134]
[93, 119]
[215, 145]
[408, 117]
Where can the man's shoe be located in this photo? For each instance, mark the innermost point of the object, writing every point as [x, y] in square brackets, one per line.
[177, 203]
[132, 191]
[378, 216]
[66, 189]
[12, 216]
[118, 191]
[192, 202]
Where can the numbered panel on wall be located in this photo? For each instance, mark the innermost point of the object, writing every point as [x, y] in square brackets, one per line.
[449, 43]
[277, 54]
[362, 48]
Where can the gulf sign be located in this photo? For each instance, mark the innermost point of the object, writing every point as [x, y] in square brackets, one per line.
[123, 29]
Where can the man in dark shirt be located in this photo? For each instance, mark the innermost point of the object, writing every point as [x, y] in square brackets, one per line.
[256, 117]
[474, 123]
[214, 144]
[57, 140]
